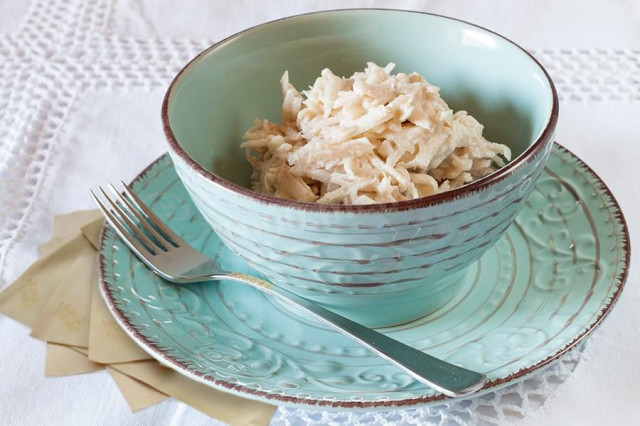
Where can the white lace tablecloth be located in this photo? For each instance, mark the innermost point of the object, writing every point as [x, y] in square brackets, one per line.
[81, 84]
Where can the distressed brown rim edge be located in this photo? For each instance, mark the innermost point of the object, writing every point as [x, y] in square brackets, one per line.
[254, 394]
[449, 196]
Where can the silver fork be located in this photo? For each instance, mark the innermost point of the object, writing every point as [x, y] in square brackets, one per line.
[173, 259]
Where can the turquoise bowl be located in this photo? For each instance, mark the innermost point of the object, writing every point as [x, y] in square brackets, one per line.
[379, 264]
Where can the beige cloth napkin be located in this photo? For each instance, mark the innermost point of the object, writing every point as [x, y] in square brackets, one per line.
[108, 343]
[225, 405]
[137, 394]
[65, 317]
[59, 298]
[26, 297]
[63, 361]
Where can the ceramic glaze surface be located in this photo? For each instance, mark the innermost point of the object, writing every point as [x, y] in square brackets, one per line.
[218, 96]
[379, 268]
[386, 265]
[546, 283]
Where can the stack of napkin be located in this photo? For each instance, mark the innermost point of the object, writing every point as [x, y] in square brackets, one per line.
[59, 298]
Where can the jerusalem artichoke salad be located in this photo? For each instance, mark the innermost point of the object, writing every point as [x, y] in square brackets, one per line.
[374, 137]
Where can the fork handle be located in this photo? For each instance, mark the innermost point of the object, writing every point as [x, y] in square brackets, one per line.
[440, 375]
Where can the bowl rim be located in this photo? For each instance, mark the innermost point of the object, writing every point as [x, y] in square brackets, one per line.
[544, 139]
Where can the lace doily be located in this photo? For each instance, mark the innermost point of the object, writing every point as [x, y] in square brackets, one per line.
[63, 48]
[593, 74]
[506, 405]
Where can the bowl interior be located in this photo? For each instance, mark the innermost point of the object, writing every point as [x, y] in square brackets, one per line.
[217, 97]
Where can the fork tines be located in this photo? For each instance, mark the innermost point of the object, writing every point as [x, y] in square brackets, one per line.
[134, 222]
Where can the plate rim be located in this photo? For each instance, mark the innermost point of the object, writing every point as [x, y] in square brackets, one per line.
[293, 401]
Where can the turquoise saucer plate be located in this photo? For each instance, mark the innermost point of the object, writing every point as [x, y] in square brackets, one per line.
[535, 294]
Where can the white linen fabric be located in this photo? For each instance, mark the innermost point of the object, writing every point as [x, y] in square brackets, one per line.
[81, 84]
